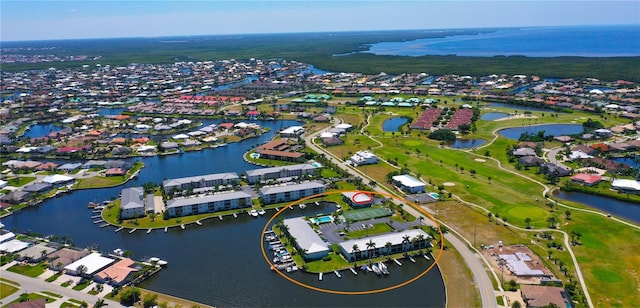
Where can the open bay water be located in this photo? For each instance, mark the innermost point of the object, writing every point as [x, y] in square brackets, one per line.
[580, 41]
[220, 262]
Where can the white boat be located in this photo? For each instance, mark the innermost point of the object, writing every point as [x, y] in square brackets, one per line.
[302, 206]
[261, 212]
[154, 259]
[376, 269]
[118, 252]
[162, 262]
[253, 213]
[383, 268]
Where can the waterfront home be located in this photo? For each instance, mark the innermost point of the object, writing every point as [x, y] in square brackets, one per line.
[200, 181]
[58, 180]
[410, 184]
[364, 158]
[308, 242]
[280, 172]
[281, 155]
[117, 274]
[544, 296]
[36, 253]
[586, 179]
[91, 264]
[15, 197]
[65, 256]
[374, 246]
[291, 192]
[69, 167]
[209, 203]
[37, 187]
[626, 186]
[292, 132]
[132, 203]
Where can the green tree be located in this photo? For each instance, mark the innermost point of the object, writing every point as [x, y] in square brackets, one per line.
[528, 222]
[129, 296]
[150, 300]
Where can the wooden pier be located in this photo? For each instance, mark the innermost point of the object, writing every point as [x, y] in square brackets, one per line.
[353, 270]
[220, 217]
[235, 215]
[397, 262]
[132, 230]
[104, 225]
[166, 229]
[149, 231]
[98, 221]
[119, 229]
[320, 276]
[182, 227]
[411, 259]
[426, 257]
[198, 222]
[337, 274]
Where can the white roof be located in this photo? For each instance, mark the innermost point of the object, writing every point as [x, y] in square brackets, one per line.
[7, 236]
[579, 154]
[625, 184]
[408, 181]
[344, 126]
[57, 178]
[94, 262]
[292, 130]
[305, 236]
[327, 135]
[13, 246]
[381, 240]
[181, 136]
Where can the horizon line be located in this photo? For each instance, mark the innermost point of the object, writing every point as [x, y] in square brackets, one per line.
[312, 32]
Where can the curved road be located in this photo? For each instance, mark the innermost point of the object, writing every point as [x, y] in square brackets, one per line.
[473, 260]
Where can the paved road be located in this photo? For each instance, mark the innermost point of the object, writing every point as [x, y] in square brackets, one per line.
[30, 285]
[473, 261]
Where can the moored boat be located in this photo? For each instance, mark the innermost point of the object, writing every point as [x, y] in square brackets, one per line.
[253, 213]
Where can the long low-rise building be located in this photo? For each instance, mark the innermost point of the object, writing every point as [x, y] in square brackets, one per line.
[410, 184]
[374, 246]
[308, 242]
[200, 181]
[132, 203]
[292, 192]
[263, 174]
[207, 204]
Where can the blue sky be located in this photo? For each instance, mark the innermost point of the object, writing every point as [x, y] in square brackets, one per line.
[41, 20]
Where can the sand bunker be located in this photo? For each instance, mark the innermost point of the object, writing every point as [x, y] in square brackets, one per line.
[449, 184]
[480, 160]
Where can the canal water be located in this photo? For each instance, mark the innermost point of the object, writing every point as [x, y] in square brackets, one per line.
[466, 143]
[624, 209]
[549, 130]
[220, 262]
[519, 107]
[41, 130]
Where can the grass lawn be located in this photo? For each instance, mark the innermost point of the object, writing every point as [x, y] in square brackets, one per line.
[20, 181]
[6, 290]
[82, 285]
[54, 277]
[104, 181]
[163, 299]
[29, 270]
[378, 228]
[32, 296]
[69, 305]
[337, 261]
[51, 294]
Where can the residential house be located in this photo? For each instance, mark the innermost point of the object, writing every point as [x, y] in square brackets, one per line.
[586, 179]
[132, 203]
[536, 296]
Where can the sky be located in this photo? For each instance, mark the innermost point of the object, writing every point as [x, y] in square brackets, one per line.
[45, 20]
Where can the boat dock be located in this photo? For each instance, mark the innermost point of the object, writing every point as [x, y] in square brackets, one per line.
[104, 225]
[320, 276]
[426, 257]
[132, 230]
[166, 228]
[149, 231]
[198, 222]
[220, 217]
[182, 227]
[397, 262]
[95, 216]
[119, 229]
[412, 260]
[235, 215]
[353, 270]
[337, 274]
[98, 221]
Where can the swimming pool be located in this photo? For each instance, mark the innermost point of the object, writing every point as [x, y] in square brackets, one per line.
[255, 155]
[434, 195]
[322, 219]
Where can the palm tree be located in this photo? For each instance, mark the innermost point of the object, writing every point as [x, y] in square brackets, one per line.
[420, 239]
[388, 247]
[370, 246]
[528, 222]
[405, 241]
[355, 250]
[100, 303]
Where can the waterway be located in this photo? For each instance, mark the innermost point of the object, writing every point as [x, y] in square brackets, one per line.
[394, 124]
[467, 143]
[624, 209]
[549, 130]
[491, 116]
[41, 130]
[220, 262]
[583, 41]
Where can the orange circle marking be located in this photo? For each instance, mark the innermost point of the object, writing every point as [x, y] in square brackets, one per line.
[420, 275]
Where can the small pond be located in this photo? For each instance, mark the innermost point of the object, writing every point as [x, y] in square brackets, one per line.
[519, 107]
[394, 124]
[490, 116]
[549, 130]
[466, 143]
